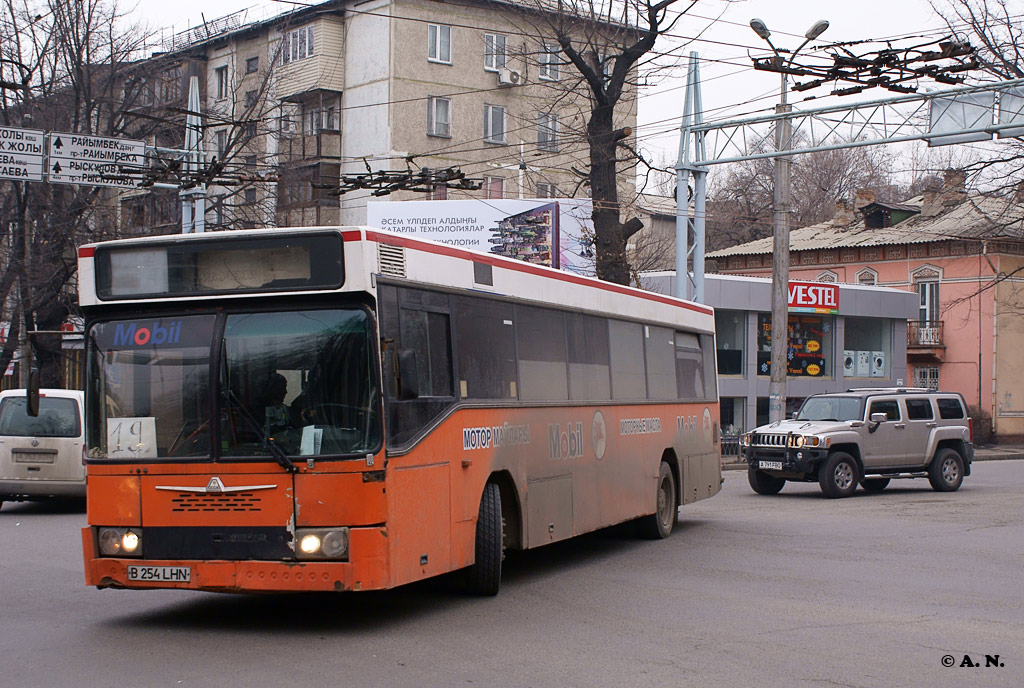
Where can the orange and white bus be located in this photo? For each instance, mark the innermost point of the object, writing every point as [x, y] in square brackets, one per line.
[350, 409]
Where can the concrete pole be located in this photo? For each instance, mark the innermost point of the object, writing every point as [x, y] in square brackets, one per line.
[780, 266]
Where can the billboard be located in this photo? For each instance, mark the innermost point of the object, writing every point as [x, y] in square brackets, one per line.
[556, 232]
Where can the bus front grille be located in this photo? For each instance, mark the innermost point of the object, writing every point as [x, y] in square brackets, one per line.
[238, 501]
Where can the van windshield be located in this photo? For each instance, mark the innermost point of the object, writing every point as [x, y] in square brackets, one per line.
[58, 417]
[831, 408]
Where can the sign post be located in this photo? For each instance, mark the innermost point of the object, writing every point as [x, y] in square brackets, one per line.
[95, 160]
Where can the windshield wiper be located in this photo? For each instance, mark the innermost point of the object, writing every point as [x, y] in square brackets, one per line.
[268, 441]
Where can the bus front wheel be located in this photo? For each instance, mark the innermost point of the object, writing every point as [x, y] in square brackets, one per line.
[484, 576]
[659, 524]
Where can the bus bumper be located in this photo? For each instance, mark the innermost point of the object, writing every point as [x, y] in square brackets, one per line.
[367, 570]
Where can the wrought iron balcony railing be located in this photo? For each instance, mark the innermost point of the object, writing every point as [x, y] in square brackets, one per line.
[924, 333]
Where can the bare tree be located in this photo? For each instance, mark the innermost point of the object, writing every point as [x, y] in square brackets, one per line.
[69, 62]
[602, 47]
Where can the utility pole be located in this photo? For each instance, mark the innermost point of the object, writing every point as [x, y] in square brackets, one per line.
[780, 230]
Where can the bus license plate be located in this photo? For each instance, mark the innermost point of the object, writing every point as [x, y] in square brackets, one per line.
[160, 574]
[770, 465]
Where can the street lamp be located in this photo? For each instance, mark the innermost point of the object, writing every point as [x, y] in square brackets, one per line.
[780, 244]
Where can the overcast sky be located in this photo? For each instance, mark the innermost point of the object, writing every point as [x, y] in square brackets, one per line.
[731, 88]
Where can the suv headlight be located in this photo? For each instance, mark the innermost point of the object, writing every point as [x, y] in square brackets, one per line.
[799, 441]
[745, 439]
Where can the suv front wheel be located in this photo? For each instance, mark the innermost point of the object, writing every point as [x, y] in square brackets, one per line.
[764, 484]
[946, 471]
[838, 475]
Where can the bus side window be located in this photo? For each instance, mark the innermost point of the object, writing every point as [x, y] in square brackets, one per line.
[416, 320]
[486, 348]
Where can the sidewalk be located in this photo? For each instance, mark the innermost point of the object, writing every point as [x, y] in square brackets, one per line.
[993, 452]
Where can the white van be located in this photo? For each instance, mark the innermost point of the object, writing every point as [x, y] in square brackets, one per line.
[41, 456]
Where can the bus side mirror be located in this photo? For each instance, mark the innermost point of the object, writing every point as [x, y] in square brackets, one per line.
[408, 375]
[32, 393]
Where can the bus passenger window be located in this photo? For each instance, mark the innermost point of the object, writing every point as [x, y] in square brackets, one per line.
[485, 342]
[589, 374]
[659, 350]
[626, 345]
[689, 373]
[540, 335]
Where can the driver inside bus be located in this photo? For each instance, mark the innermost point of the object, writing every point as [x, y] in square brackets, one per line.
[276, 413]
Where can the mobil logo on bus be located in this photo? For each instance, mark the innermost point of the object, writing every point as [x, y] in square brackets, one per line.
[565, 444]
[141, 334]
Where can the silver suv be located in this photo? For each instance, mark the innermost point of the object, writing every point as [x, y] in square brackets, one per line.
[866, 436]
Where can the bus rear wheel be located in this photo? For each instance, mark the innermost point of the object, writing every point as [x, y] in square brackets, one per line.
[659, 524]
[484, 576]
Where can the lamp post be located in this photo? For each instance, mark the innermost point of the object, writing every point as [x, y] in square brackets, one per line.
[780, 243]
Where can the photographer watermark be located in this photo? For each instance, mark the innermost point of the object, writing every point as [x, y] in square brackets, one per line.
[970, 662]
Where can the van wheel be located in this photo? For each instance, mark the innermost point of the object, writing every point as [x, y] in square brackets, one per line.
[484, 576]
[874, 484]
[946, 471]
[838, 475]
[659, 524]
[764, 484]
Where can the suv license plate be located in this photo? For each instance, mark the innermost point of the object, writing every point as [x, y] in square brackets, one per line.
[160, 574]
[770, 465]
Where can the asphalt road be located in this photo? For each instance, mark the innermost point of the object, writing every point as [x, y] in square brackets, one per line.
[793, 590]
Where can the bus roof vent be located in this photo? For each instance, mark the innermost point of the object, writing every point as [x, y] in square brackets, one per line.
[391, 260]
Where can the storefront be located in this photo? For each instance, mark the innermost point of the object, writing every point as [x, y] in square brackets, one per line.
[840, 336]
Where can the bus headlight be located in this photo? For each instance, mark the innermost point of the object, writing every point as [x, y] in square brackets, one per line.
[321, 543]
[120, 542]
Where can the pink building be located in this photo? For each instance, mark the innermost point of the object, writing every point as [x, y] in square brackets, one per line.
[963, 254]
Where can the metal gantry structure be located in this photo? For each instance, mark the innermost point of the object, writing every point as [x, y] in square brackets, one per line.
[959, 115]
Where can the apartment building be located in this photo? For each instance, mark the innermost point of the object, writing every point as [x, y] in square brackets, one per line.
[963, 256]
[298, 104]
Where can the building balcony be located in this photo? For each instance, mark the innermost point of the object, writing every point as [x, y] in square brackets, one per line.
[300, 148]
[925, 341]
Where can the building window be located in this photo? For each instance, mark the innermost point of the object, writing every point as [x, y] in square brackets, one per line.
[828, 276]
[439, 43]
[494, 124]
[252, 65]
[222, 144]
[731, 331]
[494, 52]
[866, 347]
[867, 276]
[221, 74]
[929, 301]
[439, 117]
[549, 60]
[809, 351]
[927, 377]
[298, 44]
[547, 132]
[494, 187]
[250, 98]
[545, 190]
[250, 196]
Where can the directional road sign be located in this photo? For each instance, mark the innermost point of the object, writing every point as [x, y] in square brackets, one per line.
[21, 154]
[95, 160]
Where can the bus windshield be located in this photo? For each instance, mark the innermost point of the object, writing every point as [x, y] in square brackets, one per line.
[300, 379]
[830, 408]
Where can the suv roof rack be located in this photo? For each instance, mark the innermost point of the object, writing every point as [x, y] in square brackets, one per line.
[891, 390]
